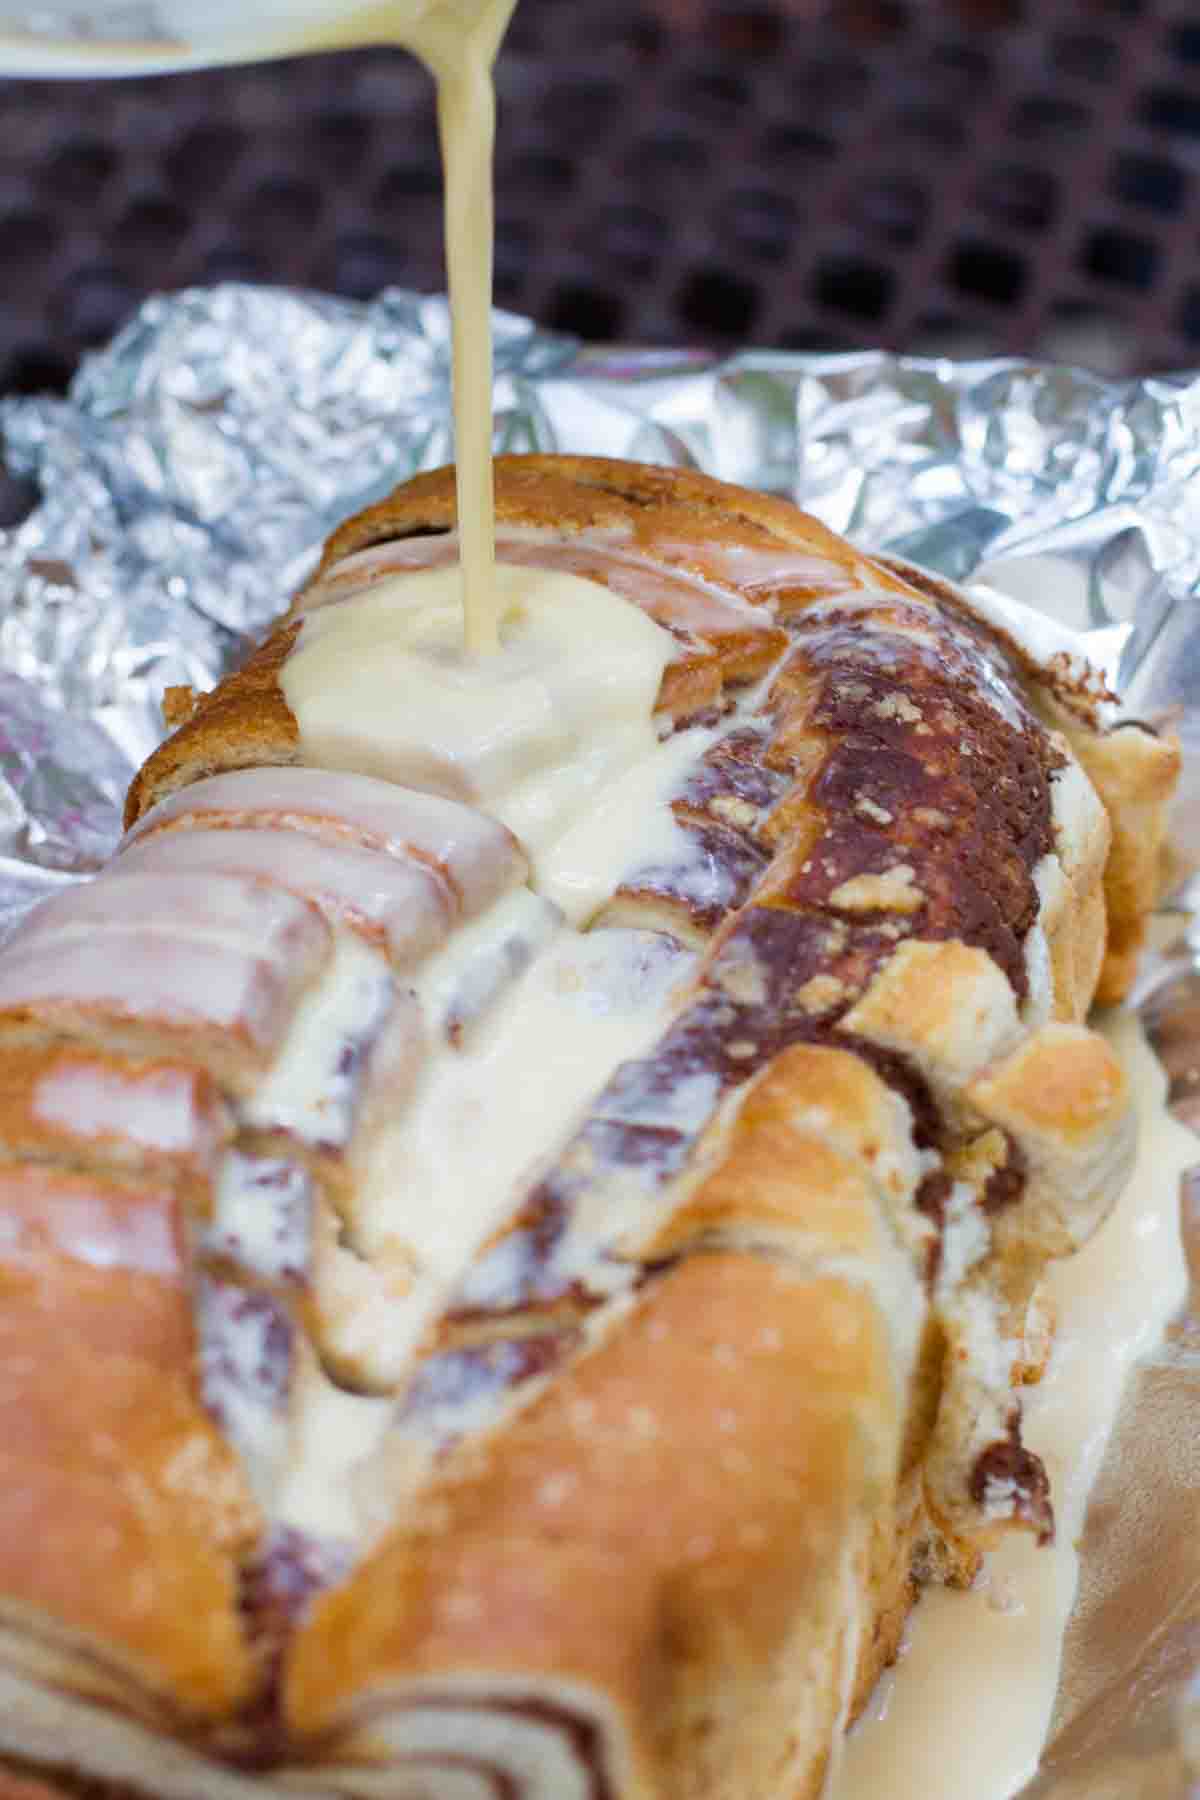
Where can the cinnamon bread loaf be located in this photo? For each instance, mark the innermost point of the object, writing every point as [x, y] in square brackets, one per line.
[469, 1337]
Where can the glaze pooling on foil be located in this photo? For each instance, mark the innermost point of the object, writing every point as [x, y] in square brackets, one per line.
[992, 1655]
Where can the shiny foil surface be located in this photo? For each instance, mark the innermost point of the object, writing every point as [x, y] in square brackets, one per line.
[190, 477]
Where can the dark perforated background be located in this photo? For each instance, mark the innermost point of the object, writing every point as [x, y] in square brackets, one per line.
[985, 176]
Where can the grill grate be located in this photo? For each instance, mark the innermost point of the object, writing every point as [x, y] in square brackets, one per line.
[960, 178]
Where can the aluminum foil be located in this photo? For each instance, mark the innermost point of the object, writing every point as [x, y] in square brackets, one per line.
[191, 476]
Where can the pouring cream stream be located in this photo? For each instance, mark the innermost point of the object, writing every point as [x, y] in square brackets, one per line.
[457, 40]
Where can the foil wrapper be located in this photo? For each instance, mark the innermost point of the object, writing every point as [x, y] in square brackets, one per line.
[198, 463]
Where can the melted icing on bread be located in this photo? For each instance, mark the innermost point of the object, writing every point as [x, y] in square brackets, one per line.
[405, 907]
[655, 1074]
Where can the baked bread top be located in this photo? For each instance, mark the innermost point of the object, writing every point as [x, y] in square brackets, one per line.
[738, 568]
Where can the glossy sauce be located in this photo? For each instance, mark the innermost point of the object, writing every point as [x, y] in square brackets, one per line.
[560, 714]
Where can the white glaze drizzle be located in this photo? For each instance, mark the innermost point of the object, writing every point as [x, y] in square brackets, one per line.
[477, 855]
[458, 986]
[445, 1174]
[262, 1219]
[104, 1228]
[536, 734]
[354, 1032]
[159, 1109]
[404, 906]
[224, 911]
[166, 986]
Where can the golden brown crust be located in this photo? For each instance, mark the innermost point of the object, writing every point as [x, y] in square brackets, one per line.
[891, 1585]
[811, 1166]
[1135, 774]
[122, 1515]
[1063, 1098]
[22, 1781]
[107, 1555]
[70, 1105]
[640, 1505]
[16, 1787]
[584, 492]
[244, 723]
